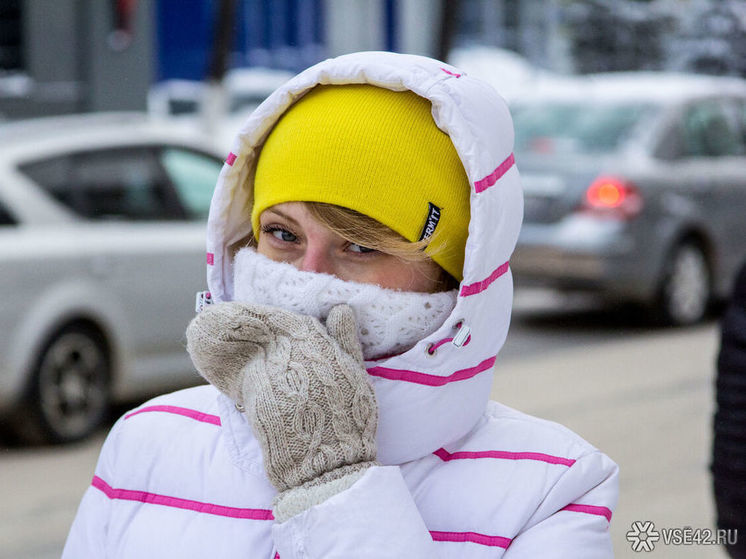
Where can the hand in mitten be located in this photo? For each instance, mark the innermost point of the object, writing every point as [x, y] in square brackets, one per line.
[303, 388]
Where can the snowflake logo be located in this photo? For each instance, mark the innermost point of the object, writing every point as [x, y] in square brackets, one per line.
[643, 536]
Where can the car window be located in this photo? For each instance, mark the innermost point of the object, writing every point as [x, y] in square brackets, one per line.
[122, 183]
[670, 144]
[5, 216]
[562, 127]
[177, 106]
[246, 102]
[710, 129]
[194, 176]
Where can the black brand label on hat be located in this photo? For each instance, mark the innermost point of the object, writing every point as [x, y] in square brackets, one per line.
[433, 217]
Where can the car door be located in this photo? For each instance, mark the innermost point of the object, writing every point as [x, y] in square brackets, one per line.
[705, 176]
[714, 145]
[11, 313]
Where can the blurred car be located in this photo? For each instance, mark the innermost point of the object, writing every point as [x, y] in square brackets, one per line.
[635, 189]
[218, 114]
[102, 226]
[175, 98]
[246, 88]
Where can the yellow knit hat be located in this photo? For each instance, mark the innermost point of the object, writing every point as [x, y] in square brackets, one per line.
[375, 151]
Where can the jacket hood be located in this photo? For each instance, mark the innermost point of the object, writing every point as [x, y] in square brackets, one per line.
[434, 393]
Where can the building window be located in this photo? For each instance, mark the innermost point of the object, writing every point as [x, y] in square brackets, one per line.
[284, 34]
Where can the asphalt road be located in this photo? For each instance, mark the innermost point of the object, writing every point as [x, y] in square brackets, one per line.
[643, 395]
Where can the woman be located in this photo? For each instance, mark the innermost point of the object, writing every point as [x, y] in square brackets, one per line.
[358, 246]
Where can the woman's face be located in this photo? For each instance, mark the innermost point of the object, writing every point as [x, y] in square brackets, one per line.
[289, 233]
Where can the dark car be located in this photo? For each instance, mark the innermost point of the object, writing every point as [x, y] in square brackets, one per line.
[635, 189]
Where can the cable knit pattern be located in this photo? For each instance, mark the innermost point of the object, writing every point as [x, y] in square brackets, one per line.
[388, 321]
[303, 386]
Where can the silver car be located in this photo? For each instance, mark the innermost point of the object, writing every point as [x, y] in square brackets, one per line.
[102, 224]
[635, 189]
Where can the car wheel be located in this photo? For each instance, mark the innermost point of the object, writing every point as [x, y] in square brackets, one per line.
[69, 394]
[685, 289]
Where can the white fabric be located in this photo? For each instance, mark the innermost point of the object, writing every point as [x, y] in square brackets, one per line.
[158, 454]
[365, 528]
[388, 321]
[299, 499]
[475, 477]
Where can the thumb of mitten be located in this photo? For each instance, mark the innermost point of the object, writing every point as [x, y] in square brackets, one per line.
[340, 323]
[221, 340]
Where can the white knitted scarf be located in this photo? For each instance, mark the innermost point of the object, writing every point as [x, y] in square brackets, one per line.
[388, 321]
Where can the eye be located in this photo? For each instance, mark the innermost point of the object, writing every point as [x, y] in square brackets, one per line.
[352, 247]
[280, 234]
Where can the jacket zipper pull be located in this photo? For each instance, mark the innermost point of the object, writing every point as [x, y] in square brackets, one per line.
[203, 299]
[461, 336]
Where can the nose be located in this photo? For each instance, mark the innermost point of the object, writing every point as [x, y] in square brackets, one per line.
[316, 259]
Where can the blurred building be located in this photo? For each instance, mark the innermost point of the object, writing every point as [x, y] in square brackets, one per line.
[582, 36]
[292, 34]
[533, 29]
[62, 56]
[712, 39]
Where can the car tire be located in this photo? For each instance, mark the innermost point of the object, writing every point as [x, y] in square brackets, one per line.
[686, 286]
[70, 388]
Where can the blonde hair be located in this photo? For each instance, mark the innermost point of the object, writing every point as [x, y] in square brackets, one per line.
[365, 231]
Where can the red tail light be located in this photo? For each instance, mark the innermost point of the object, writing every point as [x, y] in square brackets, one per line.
[613, 196]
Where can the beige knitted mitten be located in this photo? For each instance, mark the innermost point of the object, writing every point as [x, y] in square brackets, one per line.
[304, 390]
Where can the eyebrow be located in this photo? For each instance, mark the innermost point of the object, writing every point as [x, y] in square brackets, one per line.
[281, 214]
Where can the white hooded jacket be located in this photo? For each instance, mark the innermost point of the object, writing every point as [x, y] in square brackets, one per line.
[182, 476]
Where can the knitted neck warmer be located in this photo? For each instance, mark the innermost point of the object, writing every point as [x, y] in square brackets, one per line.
[388, 321]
